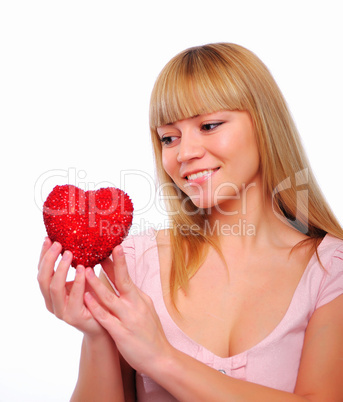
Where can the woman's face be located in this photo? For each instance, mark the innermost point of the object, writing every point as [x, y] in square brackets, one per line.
[213, 158]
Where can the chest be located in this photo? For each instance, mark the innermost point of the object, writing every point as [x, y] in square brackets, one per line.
[231, 309]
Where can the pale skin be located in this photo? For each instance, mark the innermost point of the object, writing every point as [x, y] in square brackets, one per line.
[232, 318]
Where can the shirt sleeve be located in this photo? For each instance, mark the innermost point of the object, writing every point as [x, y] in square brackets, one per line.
[332, 283]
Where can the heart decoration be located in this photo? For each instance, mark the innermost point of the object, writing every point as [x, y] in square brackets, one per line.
[87, 223]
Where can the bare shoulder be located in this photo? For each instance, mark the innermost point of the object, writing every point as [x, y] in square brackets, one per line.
[163, 237]
[298, 247]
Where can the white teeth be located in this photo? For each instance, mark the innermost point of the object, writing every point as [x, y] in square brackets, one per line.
[199, 174]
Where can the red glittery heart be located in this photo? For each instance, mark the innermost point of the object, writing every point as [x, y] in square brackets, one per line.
[87, 223]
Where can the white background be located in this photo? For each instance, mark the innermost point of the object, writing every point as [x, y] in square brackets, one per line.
[75, 81]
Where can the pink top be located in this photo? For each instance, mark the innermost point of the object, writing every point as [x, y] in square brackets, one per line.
[274, 361]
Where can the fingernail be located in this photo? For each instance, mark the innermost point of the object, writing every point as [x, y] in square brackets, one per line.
[88, 296]
[79, 269]
[120, 251]
[66, 255]
[55, 246]
[90, 273]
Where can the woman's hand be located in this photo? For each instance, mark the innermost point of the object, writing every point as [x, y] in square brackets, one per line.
[62, 298]
[129, 318]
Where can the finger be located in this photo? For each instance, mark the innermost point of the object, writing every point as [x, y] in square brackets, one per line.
[122, 279]
[45, 247]
[46, 271]
[103, 316]
[107, 297]
[49, 255]
[58, 291]
[78, 289]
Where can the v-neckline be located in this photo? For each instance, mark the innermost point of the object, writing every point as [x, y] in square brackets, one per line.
[265, 340]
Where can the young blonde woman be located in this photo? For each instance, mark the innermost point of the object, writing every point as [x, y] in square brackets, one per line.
[242, 298]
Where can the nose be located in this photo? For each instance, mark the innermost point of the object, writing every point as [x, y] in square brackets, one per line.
[190, 147]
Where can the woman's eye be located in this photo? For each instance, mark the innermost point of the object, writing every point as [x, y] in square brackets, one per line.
[167, 140]
[210, 126]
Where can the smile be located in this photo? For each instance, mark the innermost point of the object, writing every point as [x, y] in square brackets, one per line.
[203, 173]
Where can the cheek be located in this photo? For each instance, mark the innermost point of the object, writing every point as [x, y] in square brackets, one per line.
[245, 145]
[229, 147]
[241, 153]
[253, 151]
[169, 162]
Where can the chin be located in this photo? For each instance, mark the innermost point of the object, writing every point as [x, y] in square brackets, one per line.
[201, 203]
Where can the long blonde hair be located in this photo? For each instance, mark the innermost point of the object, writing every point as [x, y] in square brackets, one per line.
[225, 76]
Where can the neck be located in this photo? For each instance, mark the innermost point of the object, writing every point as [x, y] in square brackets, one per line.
[249, 221]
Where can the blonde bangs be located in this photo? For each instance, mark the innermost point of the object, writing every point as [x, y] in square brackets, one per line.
[193, 83]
